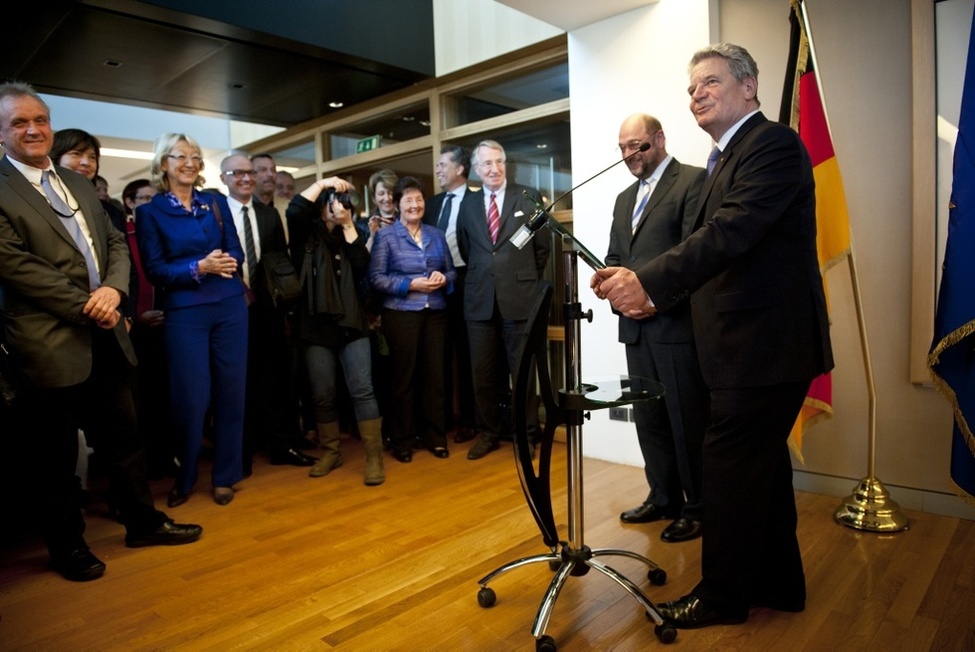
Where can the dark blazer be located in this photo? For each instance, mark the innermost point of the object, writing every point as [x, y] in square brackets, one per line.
[667, 219]
[751, 268]
[44, 280]
[500, 271]
[170, 240]
[431, 213]
[270, 232]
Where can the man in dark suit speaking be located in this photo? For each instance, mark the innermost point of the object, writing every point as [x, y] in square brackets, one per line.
[762, 334]
[502, 281]
[651, 216]
[63, 271]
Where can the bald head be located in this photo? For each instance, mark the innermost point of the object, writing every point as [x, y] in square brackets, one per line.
[637, 129]
[237, 173]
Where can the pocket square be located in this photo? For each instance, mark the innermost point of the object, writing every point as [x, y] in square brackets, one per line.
[519, 213]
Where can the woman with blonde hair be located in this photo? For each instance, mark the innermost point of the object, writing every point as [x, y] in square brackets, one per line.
[191, 253]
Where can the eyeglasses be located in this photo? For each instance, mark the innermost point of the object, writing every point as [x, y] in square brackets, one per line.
[182, 158]
[634, 145]
[240, 174]
[411, 202]
[487, 165]
[144, 197]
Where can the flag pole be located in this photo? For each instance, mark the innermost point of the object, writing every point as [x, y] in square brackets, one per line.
[869, 507]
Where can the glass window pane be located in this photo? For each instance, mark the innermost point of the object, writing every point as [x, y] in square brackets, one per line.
[404, 124]
[500, 98]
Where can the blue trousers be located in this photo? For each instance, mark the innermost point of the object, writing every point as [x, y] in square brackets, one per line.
[207, 350]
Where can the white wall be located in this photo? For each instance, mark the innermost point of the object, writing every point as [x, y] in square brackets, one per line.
[637, 62]
[471, 31]
[634, 62]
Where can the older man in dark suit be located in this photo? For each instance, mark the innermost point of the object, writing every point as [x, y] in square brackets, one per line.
[63, 272]
[502, 282]
[760, 323]
[651, 216]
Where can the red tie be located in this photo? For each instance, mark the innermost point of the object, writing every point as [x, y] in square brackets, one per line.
[494, 220]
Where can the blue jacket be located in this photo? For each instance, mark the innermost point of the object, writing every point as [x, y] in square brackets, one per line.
[172, 240]
[397, 260]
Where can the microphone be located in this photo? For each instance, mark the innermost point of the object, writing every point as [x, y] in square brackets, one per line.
[538, 219]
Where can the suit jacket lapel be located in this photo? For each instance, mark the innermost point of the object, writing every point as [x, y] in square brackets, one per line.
[19, 183]
[727, 155]
[666, 182]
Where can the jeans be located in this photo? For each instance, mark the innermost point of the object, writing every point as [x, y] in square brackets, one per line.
[356, 361]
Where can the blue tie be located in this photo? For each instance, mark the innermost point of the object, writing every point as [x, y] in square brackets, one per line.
[713, 159]
[644, 190]
[74, 229]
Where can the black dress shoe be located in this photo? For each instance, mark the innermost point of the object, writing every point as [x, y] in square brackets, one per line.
[683, 529]
[175, 498]
[440, 451]
[645, 513]
[167, 534]
[79, 565]
[690, 613]
[464, 434]
[292, 457]
[403, 456]
[482, 447]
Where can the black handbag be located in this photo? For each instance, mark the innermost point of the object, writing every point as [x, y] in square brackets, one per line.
[283, 285]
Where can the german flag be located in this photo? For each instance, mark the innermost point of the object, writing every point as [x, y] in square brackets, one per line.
[802, 109]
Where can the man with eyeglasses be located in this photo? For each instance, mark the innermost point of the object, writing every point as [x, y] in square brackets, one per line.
[651, 216]
[501, 285]
[270, 417]
[64, 269]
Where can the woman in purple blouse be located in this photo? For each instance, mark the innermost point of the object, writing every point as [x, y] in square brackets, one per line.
[411, 266]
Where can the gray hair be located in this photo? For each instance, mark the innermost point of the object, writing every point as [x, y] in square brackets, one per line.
[491, 144]
[22, 89]
[740, 62]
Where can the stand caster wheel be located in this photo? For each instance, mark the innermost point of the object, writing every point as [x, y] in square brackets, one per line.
[545, 644]
[665, 633]
[657, 576]
[486, 597]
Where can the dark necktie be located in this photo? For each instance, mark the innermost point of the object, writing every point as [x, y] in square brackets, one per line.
[74, 229]
[250, 254]
[713, 159]
[444, 221]
[494, 220]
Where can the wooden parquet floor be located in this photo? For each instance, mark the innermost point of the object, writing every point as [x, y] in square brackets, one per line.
[318, 564]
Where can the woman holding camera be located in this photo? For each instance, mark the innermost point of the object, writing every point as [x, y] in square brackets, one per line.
[330, 255]
[413, 269]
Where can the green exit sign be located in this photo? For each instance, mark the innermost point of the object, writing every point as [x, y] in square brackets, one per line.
[367, 144]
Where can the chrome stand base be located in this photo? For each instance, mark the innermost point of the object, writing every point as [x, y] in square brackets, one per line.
[569, 561]
[870, 508]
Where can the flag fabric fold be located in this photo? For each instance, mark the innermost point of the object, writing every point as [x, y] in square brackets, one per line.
[803, 109]
[952, 356]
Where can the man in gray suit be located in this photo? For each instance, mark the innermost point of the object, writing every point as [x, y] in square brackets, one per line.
[64, 269]
[502, 282]
[651, 216]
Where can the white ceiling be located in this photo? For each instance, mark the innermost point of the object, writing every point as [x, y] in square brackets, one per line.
[573, 14]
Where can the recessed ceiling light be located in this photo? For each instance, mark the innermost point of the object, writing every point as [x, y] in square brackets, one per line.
[336, 105]
[542, 145]
[237, 86]
[112, 63]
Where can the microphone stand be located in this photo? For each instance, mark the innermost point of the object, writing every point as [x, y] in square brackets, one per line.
[574, 557]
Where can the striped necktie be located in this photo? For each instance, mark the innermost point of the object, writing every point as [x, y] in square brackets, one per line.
[250, 254]
[643, 194]
[493, 219]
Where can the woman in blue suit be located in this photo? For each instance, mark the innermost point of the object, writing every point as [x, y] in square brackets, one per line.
[191, 253]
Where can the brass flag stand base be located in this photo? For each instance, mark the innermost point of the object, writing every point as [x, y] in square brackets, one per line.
[870, 508]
